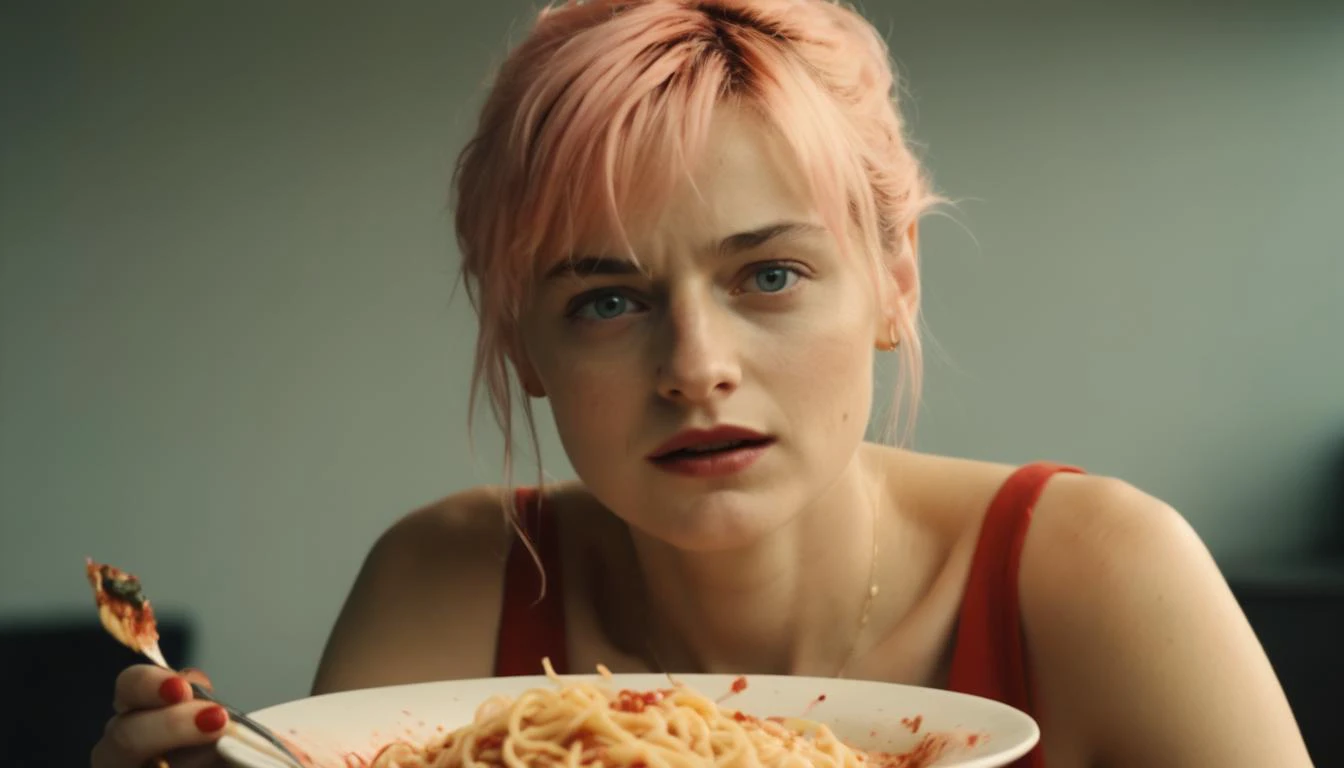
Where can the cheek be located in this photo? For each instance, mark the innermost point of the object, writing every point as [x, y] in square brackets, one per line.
[592, 407]
[823, 375]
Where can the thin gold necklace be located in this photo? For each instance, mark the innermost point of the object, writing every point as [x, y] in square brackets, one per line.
[868, 599]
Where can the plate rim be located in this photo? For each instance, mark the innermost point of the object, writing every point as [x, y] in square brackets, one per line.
[236, 751]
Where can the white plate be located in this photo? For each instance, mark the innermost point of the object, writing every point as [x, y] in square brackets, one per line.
[866, 715]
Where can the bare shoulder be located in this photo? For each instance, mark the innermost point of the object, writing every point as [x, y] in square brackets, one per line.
[471, 522]
[1096, 542]
[1129, 621]
[426, 601]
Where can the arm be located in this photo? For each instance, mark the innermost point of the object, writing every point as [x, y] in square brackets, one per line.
[1137, 641]
[425, 605]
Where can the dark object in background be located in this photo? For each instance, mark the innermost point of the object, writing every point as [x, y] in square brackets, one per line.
[57, 679]
[1298, 614]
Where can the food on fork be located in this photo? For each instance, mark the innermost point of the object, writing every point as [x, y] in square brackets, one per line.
[126, 614]
[124, 610]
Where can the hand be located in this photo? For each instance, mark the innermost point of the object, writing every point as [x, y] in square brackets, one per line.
[157, 717]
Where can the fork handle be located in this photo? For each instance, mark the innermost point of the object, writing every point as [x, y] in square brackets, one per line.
[243, 720]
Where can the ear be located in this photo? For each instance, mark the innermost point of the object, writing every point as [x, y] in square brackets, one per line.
[900, 295]
[905, 270]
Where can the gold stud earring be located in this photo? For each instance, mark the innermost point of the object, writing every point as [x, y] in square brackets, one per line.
[890, 346]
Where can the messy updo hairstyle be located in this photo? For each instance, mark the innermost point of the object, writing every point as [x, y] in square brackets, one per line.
[600, 111]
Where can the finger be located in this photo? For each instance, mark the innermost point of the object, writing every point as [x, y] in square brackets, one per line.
[106, 755]
[134, 738]
[144, 686]
[198, 677]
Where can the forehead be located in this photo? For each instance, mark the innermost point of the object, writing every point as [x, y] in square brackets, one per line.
[746, 174]
[745, 177]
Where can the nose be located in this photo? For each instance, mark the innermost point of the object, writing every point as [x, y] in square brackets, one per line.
[699, 363]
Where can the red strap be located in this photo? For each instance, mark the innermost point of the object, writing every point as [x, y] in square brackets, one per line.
[989, 659]
[532, 629]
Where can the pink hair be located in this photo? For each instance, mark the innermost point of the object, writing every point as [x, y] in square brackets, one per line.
[597, 115]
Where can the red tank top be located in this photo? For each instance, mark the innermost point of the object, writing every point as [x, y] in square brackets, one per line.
[988, 659]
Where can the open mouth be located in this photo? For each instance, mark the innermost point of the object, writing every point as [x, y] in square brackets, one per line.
[724, 449]
[710, 450]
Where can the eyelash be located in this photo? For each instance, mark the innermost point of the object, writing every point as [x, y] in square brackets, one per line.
[584, 300]
[795, 269]
[587, 299]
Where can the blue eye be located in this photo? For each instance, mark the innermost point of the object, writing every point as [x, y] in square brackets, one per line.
[775, 279]
[605, 306]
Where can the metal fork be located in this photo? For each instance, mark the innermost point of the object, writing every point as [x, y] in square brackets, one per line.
[109, 583]
[126, 589]
[243, 720]
[235, 715]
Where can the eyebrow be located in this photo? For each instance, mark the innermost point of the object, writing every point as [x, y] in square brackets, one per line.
[585, 266]
[784, 230]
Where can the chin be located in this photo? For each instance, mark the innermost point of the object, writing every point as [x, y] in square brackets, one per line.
[714, 520]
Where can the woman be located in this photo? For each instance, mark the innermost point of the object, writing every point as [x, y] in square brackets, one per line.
[690, 226]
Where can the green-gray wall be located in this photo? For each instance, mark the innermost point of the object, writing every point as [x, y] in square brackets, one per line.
[230, 351]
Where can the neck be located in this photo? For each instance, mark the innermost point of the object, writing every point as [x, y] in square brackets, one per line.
[791, 602]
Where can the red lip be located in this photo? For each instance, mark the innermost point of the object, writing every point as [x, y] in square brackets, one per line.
[691, 438]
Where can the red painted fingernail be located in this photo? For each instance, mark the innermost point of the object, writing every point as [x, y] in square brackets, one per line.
[211, 719]
[174, 690]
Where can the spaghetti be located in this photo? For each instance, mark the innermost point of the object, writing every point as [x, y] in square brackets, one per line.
[581, 724]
